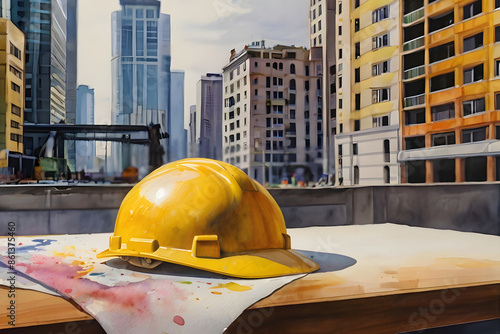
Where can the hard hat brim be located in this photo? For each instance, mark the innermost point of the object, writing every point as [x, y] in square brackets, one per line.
[250, 264]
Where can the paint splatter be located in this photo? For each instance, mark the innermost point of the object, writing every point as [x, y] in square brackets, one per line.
[68, 290]
[231, 286]
[179, 320]
[185, 282]
[40, 243]
[216, 293]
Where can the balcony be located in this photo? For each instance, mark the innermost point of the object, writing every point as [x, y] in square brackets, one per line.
[413, 16]
[414, 44]
[413, 101]
[414, 72]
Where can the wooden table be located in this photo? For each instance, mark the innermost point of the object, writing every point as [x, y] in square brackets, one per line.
[383, 292]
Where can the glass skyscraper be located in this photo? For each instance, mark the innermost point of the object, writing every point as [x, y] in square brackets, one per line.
[44, 24]
[140, 63]
[140, 74]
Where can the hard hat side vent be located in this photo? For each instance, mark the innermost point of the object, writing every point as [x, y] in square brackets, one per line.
[143, 245]
[206, 246]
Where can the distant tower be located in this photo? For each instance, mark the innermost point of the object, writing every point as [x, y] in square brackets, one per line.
[207, 134]
[177, 142]
[85, 150]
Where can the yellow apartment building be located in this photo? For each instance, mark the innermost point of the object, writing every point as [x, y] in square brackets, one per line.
[450, 91]
[368, 88]
[12, 46]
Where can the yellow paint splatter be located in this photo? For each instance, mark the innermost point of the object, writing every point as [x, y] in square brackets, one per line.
[63, 254]
[77, 263]
[231, 286]
[83, 272]
[216, 293]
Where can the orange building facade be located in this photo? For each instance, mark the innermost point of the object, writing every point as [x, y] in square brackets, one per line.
[450, 91]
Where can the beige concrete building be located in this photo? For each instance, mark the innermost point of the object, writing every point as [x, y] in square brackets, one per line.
[272, 113]
[12, 46]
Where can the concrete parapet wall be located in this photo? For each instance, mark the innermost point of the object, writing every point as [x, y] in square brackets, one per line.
[92, 209]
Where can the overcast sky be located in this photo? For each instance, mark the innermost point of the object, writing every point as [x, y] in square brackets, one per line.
[203, 33]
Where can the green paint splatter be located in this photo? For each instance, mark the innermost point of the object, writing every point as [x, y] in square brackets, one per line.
[185, 282]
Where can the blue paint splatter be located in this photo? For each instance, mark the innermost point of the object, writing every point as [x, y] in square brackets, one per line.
[40, 243]
[96, 274]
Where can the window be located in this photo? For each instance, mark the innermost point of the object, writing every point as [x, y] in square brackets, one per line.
[292, 84]
[380, 68]
[387, 175]
[340, 82]
[476, 169]
[340, 53]
[15, 87]
[277, 109]
[357, 125]
[497, 68]
[357, 103]
[356, 25]
[473, 42]
[473, 106]
[16, 72]
[307, 128]
[340, 103]
[472, 9]
[357, 50]
[17, 138]
[440, 139]
[292, 68]
[444, 111]
[356, 75]
[387, 150]
[354, 148]
[412, 143]
[441, 21]
[340, 8]
[381, 14]
[497, 3]
[14, 124]
[472, 135]
[340, 150]
[380, 121]
[16, 110]
[356, 3]
[356, 175]
[497, 102]
[497, 34]
[473, 74]
[380, 41]
[415, 116]
[15, 51]
[442, 52]
[380, 95]
[442, 81]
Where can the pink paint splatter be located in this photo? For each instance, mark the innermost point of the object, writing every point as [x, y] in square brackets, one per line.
[179, 320]
[68, 290]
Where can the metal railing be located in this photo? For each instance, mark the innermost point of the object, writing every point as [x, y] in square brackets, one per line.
[416, 100]
[413, 16]
[414, 43]
[414, 72]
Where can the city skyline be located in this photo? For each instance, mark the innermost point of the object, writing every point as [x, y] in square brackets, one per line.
[222, 26]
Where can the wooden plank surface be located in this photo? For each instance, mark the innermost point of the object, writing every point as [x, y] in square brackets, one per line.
[35, 308]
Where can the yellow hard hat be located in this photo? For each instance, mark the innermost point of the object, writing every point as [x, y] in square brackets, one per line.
[205, 214]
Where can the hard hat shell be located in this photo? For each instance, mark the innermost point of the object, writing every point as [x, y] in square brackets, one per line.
[209, 215]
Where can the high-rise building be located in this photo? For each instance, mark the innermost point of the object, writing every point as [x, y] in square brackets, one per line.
[272, 114]
[450, 97]
[177, 141]
[5, 9]
[140, 59]
[323, 46]
[368, 87]
[71, 60]
[85, 150]
[44, 24]
[140, 74]
[12, 71]
[206, 118]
